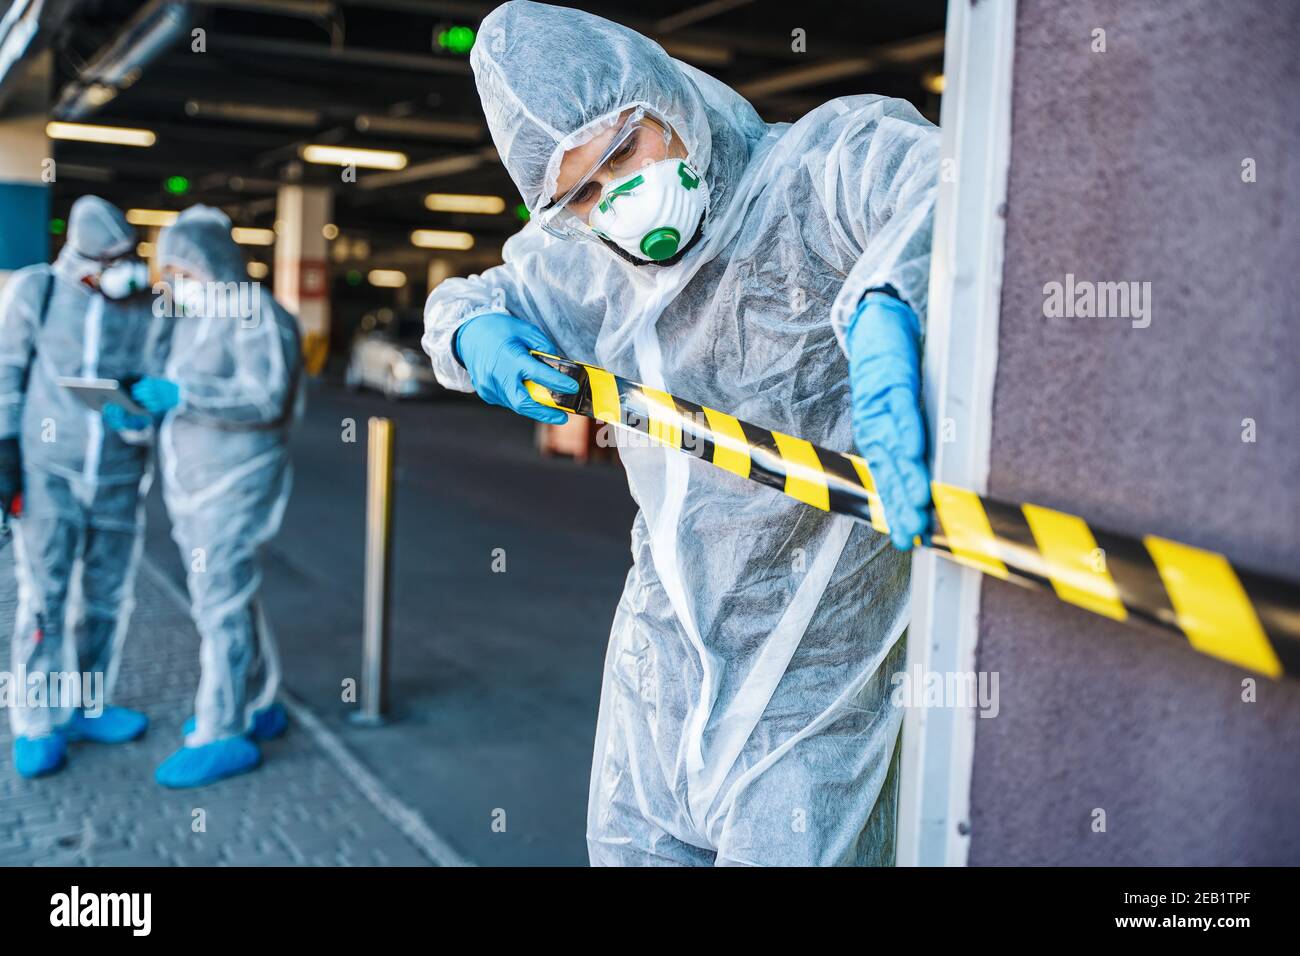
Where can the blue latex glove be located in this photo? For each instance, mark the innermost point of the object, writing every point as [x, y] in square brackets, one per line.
[119, 419]
[885, 374]
[159, 395]
[494, 350]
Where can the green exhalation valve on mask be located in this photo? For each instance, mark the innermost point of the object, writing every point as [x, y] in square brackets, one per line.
[661, 244]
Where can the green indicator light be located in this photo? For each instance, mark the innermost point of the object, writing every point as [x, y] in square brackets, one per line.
[58, 227]
[353, 277]
[456, 39]
[522, 212]
[177, 185]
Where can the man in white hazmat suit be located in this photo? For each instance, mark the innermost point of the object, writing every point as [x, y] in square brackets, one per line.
[83, 477]
[680, 241]
[227, 402]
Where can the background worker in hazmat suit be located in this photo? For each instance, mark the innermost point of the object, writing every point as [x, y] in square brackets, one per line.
[778, 272]
[82, 481]
[227, 400]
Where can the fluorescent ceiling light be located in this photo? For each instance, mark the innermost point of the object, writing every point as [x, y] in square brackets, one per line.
[165, 217]
[460, 202]
[441, 239]
[151, 217]
[387, 278]
[114, 135]
[246, 236]
[351, 156]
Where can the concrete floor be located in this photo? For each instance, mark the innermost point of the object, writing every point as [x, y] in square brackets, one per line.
[495, 676]
[301, 808]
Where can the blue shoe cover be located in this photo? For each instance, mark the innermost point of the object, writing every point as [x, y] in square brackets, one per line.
[268, 723]
[38, 756]
[116, 725]
[208, 763]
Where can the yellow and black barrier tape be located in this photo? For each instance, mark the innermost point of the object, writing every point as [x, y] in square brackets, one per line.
[1244, 617]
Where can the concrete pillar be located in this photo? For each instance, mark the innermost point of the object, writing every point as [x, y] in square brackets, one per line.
[440, 269]
[27, 172]
[402, 296]
[301, 271]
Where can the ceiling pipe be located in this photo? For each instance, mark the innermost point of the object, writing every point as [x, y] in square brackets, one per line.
[18, 28]
[445, 166]
[698, 13]
[323, 13]
[148, 35]
[903, 52]
[470, 131]
[252, 113]
[381, 59]
[25, 31]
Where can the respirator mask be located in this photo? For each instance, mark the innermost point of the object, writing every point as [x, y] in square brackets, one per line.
[124, 278]
[189, 295]
[636, 198]
[653, 214]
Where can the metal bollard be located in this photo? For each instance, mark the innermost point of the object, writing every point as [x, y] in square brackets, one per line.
[379, 520]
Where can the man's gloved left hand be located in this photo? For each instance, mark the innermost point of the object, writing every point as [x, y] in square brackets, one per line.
[159, 395]
[11, 473]
[884, 342]
[120, 420]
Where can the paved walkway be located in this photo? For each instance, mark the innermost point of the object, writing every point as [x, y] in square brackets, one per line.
[311, 803]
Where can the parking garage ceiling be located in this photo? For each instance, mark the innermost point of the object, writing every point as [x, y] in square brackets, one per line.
[272, 76]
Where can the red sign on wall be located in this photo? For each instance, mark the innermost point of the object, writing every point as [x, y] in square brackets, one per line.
[313, 280]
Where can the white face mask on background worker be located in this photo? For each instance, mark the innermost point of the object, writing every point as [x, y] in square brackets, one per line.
[123, 278]
[632, 187]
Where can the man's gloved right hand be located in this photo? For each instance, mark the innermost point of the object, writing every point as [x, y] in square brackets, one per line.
[888, 427]
[494, 350]
[119, 419]
[159, 395]
[11, 473]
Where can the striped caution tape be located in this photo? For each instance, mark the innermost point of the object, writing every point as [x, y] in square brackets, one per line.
[1241, 616]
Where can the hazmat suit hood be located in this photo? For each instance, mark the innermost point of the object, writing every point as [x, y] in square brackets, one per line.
[199, 242]
[551, 78]
[97, 231]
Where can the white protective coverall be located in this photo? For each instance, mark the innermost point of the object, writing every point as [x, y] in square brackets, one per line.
[77, 544]
[745, 713]
[225, 463]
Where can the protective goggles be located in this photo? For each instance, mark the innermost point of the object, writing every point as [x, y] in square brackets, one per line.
[105, 262]
[641, 140]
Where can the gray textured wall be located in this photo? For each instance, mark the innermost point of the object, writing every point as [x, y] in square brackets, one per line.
[1126, 165]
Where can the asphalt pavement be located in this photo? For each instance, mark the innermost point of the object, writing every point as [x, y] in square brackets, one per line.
[308, 805]
[495, 671]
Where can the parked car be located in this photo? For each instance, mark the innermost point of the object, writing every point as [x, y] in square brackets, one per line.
[387, 357]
